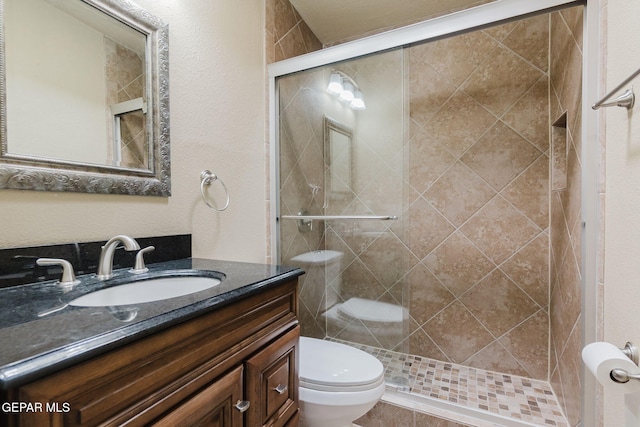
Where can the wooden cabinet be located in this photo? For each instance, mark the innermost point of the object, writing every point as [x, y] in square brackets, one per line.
[235, 366]
[213, 406]
[272, 383]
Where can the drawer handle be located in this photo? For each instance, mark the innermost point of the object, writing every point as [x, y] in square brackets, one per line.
[281, 389]
[243, 405]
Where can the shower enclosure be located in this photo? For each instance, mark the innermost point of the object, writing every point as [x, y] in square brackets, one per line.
[345, 167]
[423, 220]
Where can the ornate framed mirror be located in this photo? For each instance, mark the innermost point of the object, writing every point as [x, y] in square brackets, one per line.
[337, 156]
[84, 97]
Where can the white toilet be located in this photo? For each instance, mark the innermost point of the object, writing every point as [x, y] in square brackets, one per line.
[338, 383]
[361, 317]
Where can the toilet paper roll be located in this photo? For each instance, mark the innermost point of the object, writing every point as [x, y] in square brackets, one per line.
[602, 357]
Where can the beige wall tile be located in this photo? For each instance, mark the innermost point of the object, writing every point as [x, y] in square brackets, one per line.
[499, 230]
[456, 57]
[529, 192]
[529, 39]
[529, 116]
[515, 75]
[458, 264]
[500, 155]
[426, 295]
[459, 123]
[529, 269]
[457, 332]
[498, 303]
[565, 78]
[495, 357]
[529, 344]
[427, 160]
[459, 193]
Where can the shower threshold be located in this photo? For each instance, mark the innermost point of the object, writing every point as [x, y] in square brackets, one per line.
[467, 395]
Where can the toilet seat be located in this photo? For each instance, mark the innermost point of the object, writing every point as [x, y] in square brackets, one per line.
[372, 311]
[334, 367]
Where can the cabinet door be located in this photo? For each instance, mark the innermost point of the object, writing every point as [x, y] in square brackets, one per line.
[272, 382]
[215, 406]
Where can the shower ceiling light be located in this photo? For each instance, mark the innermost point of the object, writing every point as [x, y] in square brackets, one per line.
[358, 101]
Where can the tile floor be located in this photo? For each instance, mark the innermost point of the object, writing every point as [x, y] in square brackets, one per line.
[519, 398]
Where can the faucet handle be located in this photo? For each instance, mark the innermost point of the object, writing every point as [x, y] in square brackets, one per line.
[140, 268]
[68, 277]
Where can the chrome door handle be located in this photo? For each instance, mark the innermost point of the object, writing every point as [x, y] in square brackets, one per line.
[243, 405]
[281, 389]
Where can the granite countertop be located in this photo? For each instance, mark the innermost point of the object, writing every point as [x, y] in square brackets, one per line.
[36, 340]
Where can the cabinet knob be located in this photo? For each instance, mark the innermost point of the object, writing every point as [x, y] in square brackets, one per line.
[281, 389]
[243, 405]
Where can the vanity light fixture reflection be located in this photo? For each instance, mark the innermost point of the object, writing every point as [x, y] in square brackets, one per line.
[358, 102]
[346, 89]
[347, 92]
[335, 84]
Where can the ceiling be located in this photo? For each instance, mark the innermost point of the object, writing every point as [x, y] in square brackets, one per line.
[334, 21]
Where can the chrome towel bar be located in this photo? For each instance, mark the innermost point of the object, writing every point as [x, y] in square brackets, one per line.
[305, 222]
[627, 99]
[340, 217]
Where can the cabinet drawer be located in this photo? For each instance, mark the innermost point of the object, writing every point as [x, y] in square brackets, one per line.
[214, 406]
[294, 421]
[272, 382]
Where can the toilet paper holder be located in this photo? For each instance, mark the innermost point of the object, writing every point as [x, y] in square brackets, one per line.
[620, 375]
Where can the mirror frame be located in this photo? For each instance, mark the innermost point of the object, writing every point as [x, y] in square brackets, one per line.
[332, 125]
[20, 172]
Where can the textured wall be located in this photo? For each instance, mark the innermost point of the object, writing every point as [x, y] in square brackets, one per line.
[621, 195]
[217, 91]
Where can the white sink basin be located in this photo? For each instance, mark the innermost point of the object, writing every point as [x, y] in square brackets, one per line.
[146, 291]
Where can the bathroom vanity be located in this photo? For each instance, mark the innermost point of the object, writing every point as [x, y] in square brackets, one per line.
[225, 356]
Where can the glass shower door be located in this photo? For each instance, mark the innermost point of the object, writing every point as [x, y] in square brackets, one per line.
[342, 201]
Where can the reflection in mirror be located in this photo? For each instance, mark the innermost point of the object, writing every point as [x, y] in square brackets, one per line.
[128, 134]
[69, 73]
[86, 97]
[337, 149]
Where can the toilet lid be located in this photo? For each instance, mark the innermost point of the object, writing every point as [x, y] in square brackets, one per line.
[373, 311]
[321, 257]
[327, 366]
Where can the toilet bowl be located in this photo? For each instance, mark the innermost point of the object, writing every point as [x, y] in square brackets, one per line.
[338, 383]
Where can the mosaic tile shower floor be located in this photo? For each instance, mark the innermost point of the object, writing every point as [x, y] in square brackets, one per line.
[519, 398]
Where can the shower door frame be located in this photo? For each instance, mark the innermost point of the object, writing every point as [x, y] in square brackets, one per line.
[461, 22]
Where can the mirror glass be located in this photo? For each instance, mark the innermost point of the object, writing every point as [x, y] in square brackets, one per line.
[85, 103]
[337, 148]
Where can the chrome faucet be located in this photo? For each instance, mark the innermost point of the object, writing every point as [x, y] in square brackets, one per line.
[105, 266]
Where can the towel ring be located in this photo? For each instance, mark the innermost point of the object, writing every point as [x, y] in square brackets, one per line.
[207, 177]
